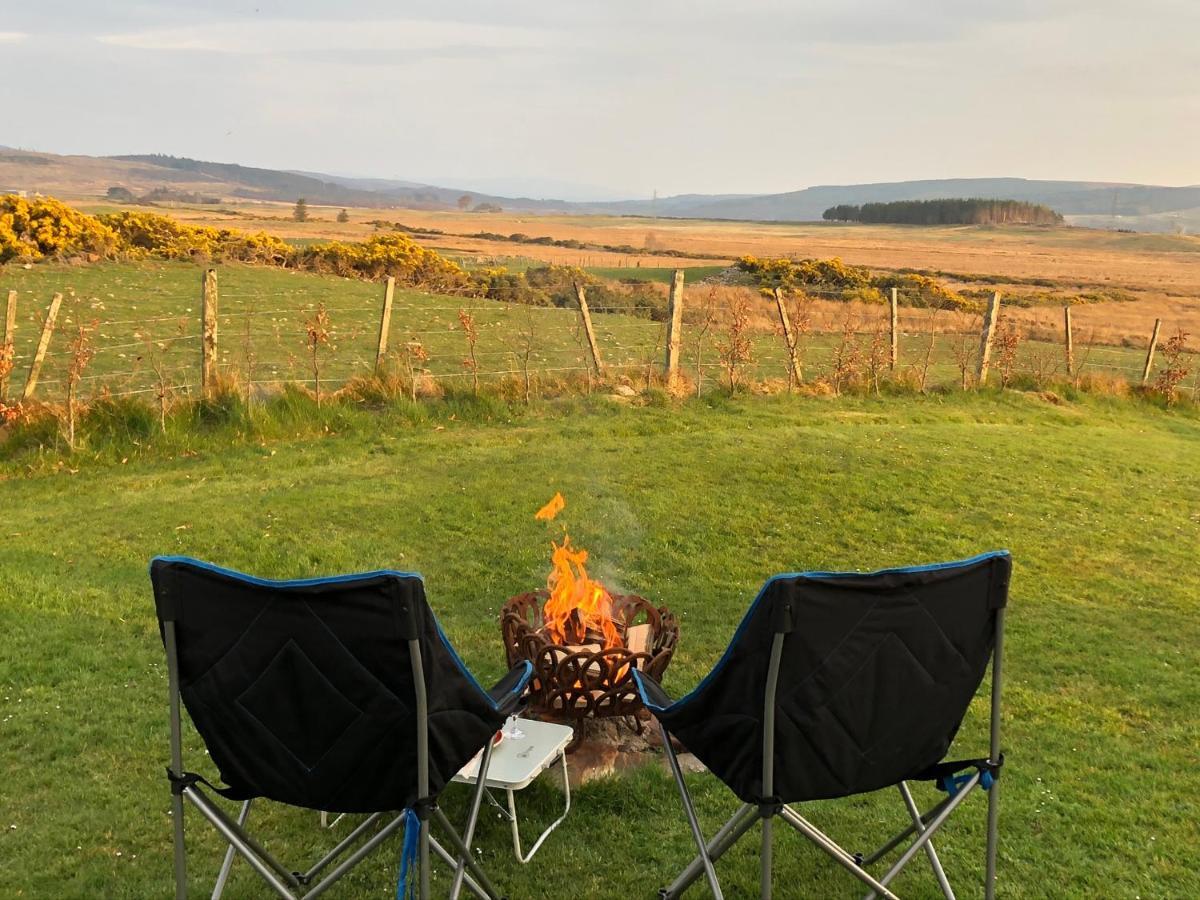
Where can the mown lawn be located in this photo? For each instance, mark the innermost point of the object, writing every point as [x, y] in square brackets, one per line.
[693, 506]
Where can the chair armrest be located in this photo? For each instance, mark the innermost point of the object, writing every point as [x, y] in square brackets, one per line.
[652, 693]
[506, 693]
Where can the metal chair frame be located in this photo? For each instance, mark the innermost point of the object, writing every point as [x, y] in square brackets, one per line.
[291, 884]
[924, 825]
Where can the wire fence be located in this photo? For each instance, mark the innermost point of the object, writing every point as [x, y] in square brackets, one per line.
[147, 340]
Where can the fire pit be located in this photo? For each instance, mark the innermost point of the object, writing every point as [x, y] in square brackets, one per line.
[583, 641]
[590, 676]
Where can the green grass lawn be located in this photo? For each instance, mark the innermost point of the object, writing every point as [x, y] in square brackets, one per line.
[692, 506]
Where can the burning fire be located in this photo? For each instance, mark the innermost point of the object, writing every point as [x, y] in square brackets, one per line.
[579, 610]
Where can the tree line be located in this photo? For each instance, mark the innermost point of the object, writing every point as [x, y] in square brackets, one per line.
[953, 211]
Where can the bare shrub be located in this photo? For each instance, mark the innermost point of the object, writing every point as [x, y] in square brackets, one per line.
[878, 357]
[471, 333]
[79, 353]
[1175, 368]
[525, 344]
[847, 358]
[155, 357]
[413, 358]
[706, 318]
[317, 334]
[921, 369]
[736, 351]
[1043, 365]
[249, 357]
[801, 313]
[964, 358]
[1007, 343]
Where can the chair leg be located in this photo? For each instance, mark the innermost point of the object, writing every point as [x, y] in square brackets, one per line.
[709, 872]
[844, 859]
[444, 855]
[931, 853]
[728, 835]
[230, 853]
[469, 831]
[180, 850]
[423, 877]
[930, 829]
[355, 858]
[464, 854]
[993, 839]
[765, 873]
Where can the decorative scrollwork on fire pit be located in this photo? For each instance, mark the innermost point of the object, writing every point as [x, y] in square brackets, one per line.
[578, 681]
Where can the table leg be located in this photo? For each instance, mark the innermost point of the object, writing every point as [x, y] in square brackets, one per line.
[516, 827]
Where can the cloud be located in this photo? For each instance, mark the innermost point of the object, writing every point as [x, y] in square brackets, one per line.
[12, 37]
[293, 36]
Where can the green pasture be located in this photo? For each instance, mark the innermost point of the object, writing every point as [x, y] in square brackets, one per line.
[146, 316]
[692, 505]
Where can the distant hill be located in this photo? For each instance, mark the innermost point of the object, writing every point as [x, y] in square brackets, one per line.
[1068, 197]
[1097, 204]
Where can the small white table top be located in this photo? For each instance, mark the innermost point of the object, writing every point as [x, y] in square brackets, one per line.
[516, 761]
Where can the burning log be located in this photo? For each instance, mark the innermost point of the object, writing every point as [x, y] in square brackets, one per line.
[593, 679]
[584, 642]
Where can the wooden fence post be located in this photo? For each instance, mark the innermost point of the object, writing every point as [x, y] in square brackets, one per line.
[385, 321]
[1150, 351]
[674, 327]
[895, 303]
[789, 336]
[8, 347]
[35, 368]
[586, 315]
[208, 336]
[1070, 342]
[990, 318]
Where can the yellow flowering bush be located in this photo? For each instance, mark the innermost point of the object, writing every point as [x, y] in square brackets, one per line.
[145, 234]
[44, 228]
[392, 254]
[851, 282]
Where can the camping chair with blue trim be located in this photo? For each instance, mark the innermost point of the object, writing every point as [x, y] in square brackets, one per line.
[837, 684]
[334, 694]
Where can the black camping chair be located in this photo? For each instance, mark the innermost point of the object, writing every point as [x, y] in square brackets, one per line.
[336, 694]
[837, 684]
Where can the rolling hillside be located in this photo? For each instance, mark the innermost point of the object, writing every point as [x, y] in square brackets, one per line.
[1097, 204]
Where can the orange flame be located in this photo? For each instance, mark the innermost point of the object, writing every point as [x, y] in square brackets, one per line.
[551, 509]
[579, 609]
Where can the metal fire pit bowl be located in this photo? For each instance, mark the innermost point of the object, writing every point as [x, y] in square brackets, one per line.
[585, 680]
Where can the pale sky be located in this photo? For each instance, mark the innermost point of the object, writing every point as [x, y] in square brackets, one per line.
[675, 95]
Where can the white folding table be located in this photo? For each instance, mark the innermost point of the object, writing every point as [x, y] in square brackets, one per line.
[516, 762]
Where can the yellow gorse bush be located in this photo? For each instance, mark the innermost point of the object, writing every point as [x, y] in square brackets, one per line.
[150, 235]
[46, 228]
[393, 254]
[851, 282]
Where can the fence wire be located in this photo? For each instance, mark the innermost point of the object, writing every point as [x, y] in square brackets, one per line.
[267, 338]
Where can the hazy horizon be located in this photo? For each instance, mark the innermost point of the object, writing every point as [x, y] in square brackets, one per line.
[620, 100]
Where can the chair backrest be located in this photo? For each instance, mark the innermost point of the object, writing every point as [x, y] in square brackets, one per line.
[875, 677]
[303, 691]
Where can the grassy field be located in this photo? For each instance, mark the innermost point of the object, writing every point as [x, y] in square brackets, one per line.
[1159, 272]
[147, 314]
[657, 274]
[692, 506]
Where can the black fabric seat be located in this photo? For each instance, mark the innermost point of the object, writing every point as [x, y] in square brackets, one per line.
[840, 683]
[337, 694]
